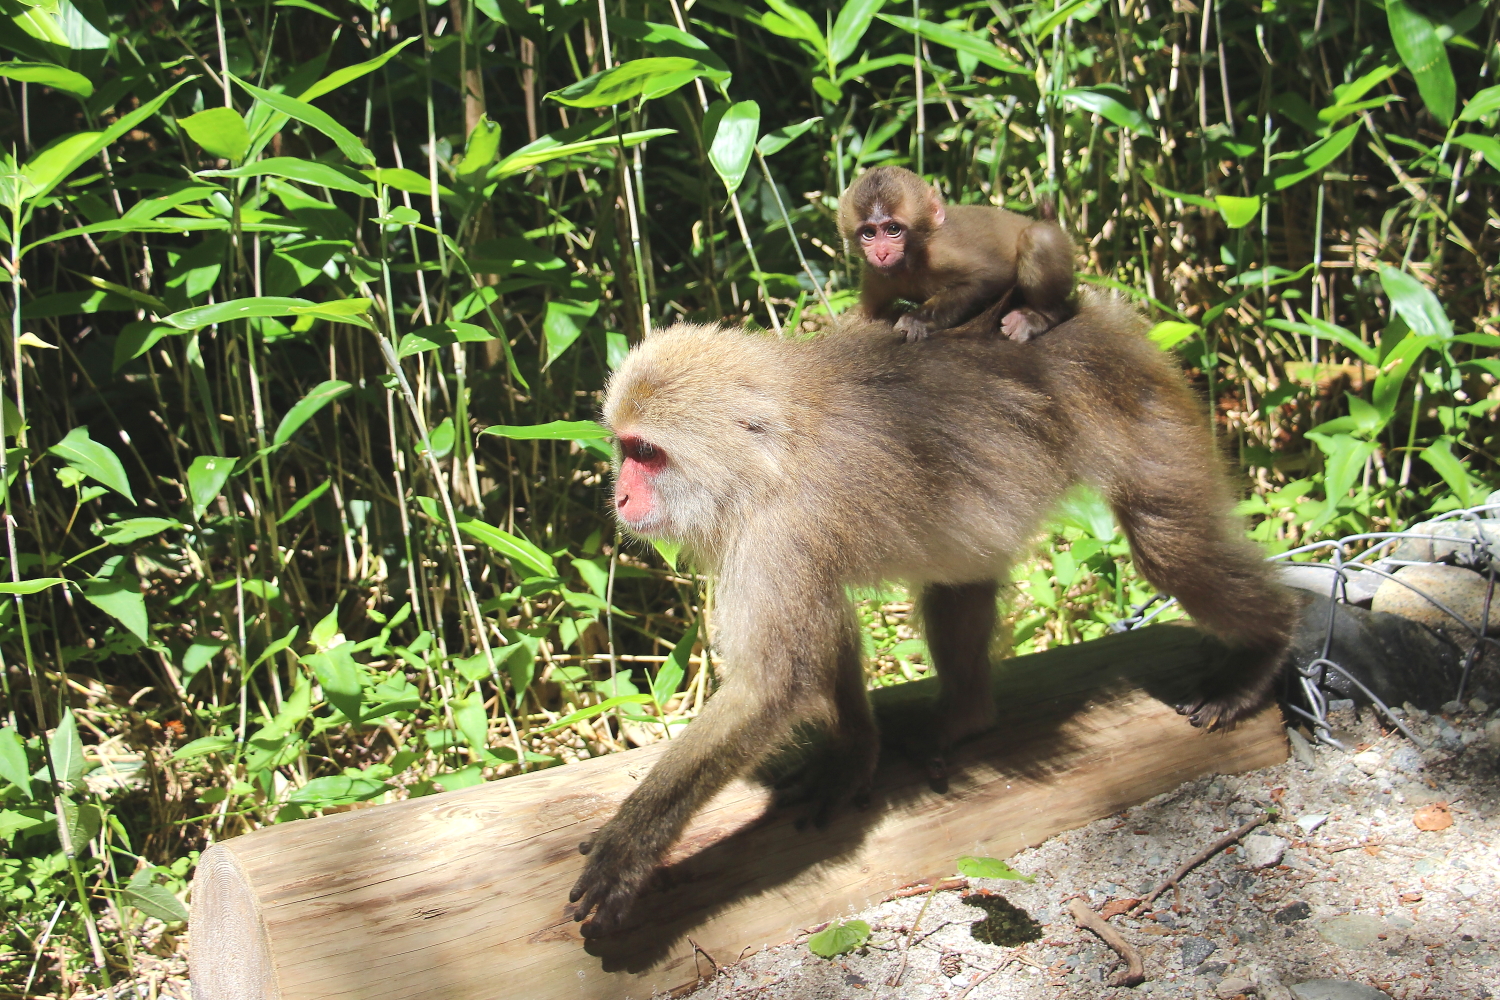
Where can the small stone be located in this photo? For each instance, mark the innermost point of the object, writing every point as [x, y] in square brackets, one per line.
[1426, 866]
[1492, 732]
[1454, 587]
[1212, 969]
[1263, 850]
[1311, 822]
[1213, 890]
[1341, 713]
[1406, 759]
[1357, 930]
[1301, 749]
[1479, 706]
[1336, 989]
[1448, 538]
[1369, 761]
[1454, 707]
[1414, 713]
[1232, 987]
[1195, 950]
[1291, 914]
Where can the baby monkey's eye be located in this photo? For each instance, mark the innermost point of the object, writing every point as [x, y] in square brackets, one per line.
[867, 233]
[644, 451]
[894, 229]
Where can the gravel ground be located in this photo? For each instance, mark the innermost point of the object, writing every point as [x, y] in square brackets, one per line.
[1340, 885]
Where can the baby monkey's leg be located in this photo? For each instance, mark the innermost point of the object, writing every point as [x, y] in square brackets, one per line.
[1044, 276]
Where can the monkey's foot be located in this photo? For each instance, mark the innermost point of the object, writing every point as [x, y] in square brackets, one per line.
[1221, 712]
[613, 877]
[914, 328]
[1021, 325]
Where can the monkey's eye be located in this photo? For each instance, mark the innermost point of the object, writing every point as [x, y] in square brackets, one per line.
[867, 233]
[645, 452]
[894, 229]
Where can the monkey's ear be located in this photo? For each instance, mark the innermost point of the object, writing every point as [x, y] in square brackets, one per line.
[939, 212]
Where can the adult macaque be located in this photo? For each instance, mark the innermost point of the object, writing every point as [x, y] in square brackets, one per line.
[953, 259]
[794, 469]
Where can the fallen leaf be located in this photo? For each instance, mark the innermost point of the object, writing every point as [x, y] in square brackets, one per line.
[1373, 850]
[1411, 897]
[1435, 816]
[1115, 907]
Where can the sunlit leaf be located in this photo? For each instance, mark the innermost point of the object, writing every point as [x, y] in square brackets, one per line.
[974, 44]
[220, 131]
[1486, 102]
[1170, 333]
[13, 765]
[839, 938]
[480, 151]
[561, 326]
[120, 597]
[1238, 212]
[225, 312]
[339, 675]
[67, 751]
[990, 868]
[593, 710]
[734, 143]
[321, 395]
[338, 790]
[33, 586]
[776, 140]
[669, 675]
[94, 460]
[133, 529]
[206, 477]
[48, 75]
[1440, 456]
[546, 149]
[556, 430]
[1416, 303]
[1108, 108]
[346, 141]
[348, 74]
[649, 77]
[849, 28]
[1425, 56]
[303, 171]
[203, 746]
[154, 901]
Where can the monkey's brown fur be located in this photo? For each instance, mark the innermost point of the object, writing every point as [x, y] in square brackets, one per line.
[795, 469]
[953, 259]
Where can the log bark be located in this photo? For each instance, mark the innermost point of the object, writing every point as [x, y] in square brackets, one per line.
[464, 894]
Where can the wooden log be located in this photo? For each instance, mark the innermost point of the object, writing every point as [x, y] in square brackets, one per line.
[464, 894]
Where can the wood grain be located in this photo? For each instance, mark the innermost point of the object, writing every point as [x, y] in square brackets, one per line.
[464, 894]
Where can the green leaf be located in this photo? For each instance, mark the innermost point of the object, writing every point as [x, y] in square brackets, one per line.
[1425, 55]
[1486, 102]
[67, 751]
[94, 460]
[303, 171]
[120, 597]
[1043, 21]
[35, 586]
[206, 478]
[133, 225]
[776, 140]
[546, 149]
[320, 396]
[791, 21]
[652, 77]
[430, 338]
[1168, 334]
[338, 790]
[666, 40]
[593, 710]
[49, 75]
[990, 868]
[1324, 330]
[1238, 212]
[669, 676]
[669, 551]
[309, 5]
[225, 312]
[1415, 303]
[13, 765]
[1481, 144]
[734, 143]
[403, 179]
[349, 74]
[560, 325]
[154, 901]
[220, 131]
[556, 430]
[839, 938]
[1108, 108]
[133, 529]
[305, 501]
[305, 113]
[850, 27]
[468, 714]
[512, 547]
[1314, 158]
[959, 41]
[339, 675]
[480, 151]
[203, 746]
[56, 168]
[1440, 456]
[1394, 368]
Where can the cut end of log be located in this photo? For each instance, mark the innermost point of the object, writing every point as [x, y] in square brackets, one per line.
[231, 955]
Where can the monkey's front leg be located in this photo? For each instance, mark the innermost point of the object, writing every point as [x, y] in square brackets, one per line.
[734, 728]
[949, 308]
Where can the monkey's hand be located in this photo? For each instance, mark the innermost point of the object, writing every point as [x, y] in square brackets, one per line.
[616, 871]
[914, 328]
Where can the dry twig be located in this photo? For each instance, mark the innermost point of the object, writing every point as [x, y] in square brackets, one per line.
[1135, 970]
[1198, 859]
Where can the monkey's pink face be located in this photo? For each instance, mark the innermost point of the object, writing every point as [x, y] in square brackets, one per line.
[637, 498]
[883, 242]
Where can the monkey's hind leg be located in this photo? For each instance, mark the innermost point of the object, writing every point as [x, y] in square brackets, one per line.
[958, 622]
[1044, 276]
[1187, 544]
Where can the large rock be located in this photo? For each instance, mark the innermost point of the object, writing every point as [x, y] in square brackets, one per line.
[1357, 930]
[1336, 989]
[1462, 591]
[1398, 659]
[1454, 540]
[1355, 586]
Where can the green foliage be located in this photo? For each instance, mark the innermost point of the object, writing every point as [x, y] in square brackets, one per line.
[329, 345]
[839, 938]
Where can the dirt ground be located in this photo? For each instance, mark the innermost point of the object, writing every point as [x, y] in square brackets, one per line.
[1348, 889]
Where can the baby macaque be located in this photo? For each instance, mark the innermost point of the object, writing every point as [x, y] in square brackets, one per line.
[953, 259]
